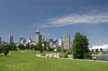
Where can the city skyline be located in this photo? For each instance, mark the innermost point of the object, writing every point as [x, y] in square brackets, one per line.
[54, 18]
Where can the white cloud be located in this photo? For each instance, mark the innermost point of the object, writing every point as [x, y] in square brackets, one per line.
[85, 18]
[80, 19]
[50, 25]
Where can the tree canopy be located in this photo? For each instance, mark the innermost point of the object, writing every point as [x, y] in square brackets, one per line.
[80, 46]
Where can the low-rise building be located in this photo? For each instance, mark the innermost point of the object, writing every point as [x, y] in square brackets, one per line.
[103, 47]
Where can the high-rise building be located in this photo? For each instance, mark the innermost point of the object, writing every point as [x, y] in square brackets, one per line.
[66, 41]
[22, 41]
[60, 43]
[11, 39]
[29, 41]
[38, 37]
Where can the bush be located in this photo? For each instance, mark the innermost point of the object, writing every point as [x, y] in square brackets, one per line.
[1, 48]
[43, 53]
[49, 49]
[11, 46]
[66, 55]
[27, 46]
[88, 56]
[32, 47]
[69, 51]
[61, 55]
[21, 46]
[6, 50]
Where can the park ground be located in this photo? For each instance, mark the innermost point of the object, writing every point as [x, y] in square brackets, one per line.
[28, 61]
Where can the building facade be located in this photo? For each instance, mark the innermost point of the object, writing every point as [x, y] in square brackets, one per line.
[22, 41]
[11, 39]
[66, 41]
[38, 37]
[104, 47]
[60, 43]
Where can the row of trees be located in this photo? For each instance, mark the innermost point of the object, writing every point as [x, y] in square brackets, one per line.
[4, 49]
[43, 47]
[10, 47]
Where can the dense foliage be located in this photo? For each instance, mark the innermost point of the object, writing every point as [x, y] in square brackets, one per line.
[80, 46]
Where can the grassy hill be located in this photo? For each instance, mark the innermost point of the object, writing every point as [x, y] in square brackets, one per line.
[16, 61]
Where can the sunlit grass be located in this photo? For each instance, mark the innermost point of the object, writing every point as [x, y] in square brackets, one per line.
[16, 61]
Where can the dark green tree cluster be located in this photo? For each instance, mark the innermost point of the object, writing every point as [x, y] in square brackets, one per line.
[12, 46]
[4, 49]
[41, 47]
[21, 46]
[27, 46]
[49, 48]
[1, 48]
[80, 48]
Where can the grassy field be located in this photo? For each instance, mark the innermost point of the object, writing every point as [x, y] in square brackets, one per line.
[29, 62]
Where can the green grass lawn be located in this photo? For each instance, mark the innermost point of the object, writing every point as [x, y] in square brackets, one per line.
[29, 62]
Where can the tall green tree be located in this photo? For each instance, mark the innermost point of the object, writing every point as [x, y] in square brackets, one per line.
[80, 46]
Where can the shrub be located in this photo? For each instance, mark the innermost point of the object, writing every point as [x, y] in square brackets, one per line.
[61, 55]
[66, 55]
[1, 48]
[21, 47]
[43, 53]
[88, 56]
[6, 50]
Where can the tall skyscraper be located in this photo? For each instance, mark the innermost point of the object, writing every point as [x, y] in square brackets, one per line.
[66, 41]
[11, 39]
[38, 37]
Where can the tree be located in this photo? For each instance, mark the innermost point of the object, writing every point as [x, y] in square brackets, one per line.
[80, 46]
[1, 48]
[101, 49]
[12, 46]
[39, 46]
[44, 45]
[28, 46]
[21, 46]
[97, 51]
[48, 48]
[32, 46]
[36, 48]
[6, 50]
[92, 51]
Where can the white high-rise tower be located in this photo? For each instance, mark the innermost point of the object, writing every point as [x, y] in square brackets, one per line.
[66, 41]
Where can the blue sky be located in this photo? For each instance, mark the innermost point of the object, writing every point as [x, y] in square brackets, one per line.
[54, 18]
